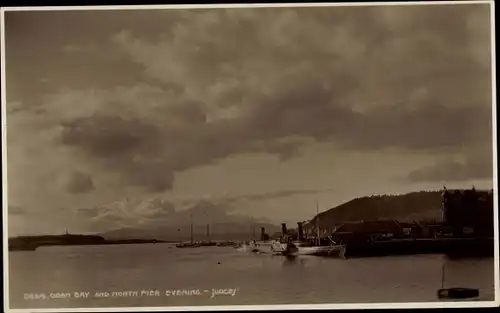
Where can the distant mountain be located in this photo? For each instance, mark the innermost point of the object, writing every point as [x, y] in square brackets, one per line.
[218, 231]
[415, 206]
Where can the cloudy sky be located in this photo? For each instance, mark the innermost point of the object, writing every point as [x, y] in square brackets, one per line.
[124, 118]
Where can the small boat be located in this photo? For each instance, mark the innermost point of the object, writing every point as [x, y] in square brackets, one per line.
[296, 248]
[304, 248]
[188, 245]
[251, 246]
[457, 292]
[191, 243]
[208, 244]
[225, 244]
[278, 247]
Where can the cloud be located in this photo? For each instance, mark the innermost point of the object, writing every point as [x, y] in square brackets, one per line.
[156, 211]
[15, 106]
[393, 84]
[232, 54]
[75, 48]
[452, 171]
[218, 83]
[150, 212]
[147, 144]
[273, 195]
[474, 164]
[130, 146]
[79, 182]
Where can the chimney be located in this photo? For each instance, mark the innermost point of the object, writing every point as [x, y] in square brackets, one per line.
[283, 228]
[300, 231]
[262, 234]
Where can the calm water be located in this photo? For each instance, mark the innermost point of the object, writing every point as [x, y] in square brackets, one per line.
[256, 279]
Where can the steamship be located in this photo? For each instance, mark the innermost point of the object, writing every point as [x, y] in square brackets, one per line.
[286, 245]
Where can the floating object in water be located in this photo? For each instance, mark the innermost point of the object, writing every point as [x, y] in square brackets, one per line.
[455, 293]
[458, 293]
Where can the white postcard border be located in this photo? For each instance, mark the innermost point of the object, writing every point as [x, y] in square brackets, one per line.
[446, 304]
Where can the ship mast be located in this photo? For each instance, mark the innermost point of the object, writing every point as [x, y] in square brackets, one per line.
[442, 275]
[317, 221]
[252, 229]
[191, 231]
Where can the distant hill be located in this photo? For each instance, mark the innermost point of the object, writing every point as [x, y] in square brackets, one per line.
[218, 231]
[415, 206]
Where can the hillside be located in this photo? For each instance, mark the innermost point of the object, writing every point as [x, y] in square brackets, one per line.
[415, 206]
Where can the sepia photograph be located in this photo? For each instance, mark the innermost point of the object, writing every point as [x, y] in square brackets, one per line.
[249, 156]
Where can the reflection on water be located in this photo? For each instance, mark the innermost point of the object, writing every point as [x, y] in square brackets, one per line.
[289, 259]
[236, 277]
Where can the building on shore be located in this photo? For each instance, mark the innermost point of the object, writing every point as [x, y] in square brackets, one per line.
[468, 213]
[365, 231]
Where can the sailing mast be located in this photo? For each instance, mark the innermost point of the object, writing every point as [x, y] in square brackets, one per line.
[252, 229]
[442, 276]
[317, 222]
[191, 232]
[208, 232]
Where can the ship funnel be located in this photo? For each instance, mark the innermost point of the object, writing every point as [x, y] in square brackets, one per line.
[283, 228]
[262, 234]
[300, 231]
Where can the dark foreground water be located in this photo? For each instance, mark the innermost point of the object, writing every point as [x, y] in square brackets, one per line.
[161, 275]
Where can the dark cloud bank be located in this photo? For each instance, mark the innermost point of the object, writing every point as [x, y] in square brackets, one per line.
[284, 83]
[79, 182]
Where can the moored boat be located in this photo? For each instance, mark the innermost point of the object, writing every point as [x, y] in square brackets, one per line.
[278, 247]
[458, 293]
[191, 243]
[455, 292]
[251, 246]
[225, 244]
[208, 244]
[188, 245]
[305, 248]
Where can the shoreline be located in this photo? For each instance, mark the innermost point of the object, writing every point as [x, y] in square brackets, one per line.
[33, 242]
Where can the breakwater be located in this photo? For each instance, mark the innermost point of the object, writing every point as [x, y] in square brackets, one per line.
[31, 243]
